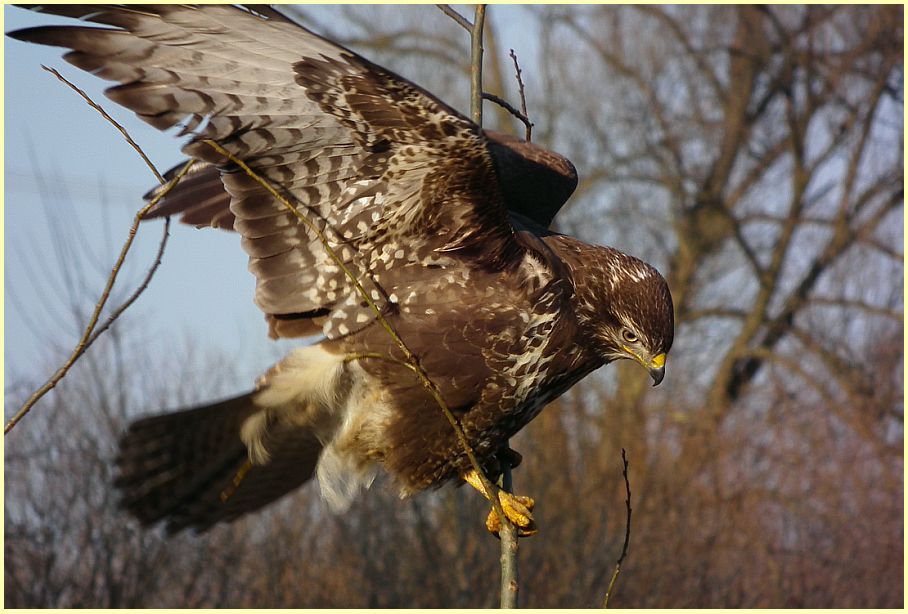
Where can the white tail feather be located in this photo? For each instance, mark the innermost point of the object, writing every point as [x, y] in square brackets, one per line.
[333, 398]
[307, 374]
[303, 389]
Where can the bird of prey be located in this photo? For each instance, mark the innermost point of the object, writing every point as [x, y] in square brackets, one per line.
[444, 226]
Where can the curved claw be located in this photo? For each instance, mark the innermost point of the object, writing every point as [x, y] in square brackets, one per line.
[518, 509]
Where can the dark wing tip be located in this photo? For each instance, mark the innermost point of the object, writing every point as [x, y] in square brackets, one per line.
[29, 35]
[535, 182]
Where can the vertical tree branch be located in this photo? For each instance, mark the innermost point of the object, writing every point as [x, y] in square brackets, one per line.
[510, 577]
[476, 64]
[510, 584]
[508, 534]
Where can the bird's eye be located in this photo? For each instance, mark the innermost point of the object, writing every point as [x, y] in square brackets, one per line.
[629, 336]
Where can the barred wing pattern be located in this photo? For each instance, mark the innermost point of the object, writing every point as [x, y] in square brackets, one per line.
[535, 184]
[372, 159]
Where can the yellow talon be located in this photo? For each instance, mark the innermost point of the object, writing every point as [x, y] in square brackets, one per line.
[517, 509]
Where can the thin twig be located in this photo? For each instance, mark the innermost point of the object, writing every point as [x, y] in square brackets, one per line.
[521, 114]
[110, 119]
[410, 358]
[83, 343]
[89, 335]
[523, 96]
[116, 313]
[507, 106]
[460, 19]
[627, 532]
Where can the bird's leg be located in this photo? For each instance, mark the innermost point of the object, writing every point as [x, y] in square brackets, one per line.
[517, 508]
[512, 458]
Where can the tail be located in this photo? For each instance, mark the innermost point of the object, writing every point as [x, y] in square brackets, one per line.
[181, 467]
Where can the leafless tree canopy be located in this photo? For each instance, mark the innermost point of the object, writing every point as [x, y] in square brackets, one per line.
[754, 154]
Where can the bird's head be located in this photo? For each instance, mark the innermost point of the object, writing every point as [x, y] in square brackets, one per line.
[631, 313]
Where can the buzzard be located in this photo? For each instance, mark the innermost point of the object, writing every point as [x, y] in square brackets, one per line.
[444, 225]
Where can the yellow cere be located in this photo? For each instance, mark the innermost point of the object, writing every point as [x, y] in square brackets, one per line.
[659, 361]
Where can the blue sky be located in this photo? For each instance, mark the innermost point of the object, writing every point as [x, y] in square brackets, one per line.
[66, 164]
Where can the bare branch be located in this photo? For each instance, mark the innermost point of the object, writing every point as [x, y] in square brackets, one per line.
[476, 64]
[110, 119]
[523, 98]
[627, 531]
[508, 533]
[84, 341]
[510, 109]
[460, 19]
[87, 336]
[116, 313]
[510, 577]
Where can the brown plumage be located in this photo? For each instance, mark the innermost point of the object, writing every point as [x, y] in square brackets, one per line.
[444, 224]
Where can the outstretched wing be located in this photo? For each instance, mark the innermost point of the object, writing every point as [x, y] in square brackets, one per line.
[535, 183]
[375, 161]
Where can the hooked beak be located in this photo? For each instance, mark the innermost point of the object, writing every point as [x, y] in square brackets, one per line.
[657, 375]
[657, 369]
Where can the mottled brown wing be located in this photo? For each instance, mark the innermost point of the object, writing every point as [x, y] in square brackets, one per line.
[388, 172]
[535, 183]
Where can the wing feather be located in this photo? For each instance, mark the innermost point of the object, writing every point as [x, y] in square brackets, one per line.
[373, 160]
